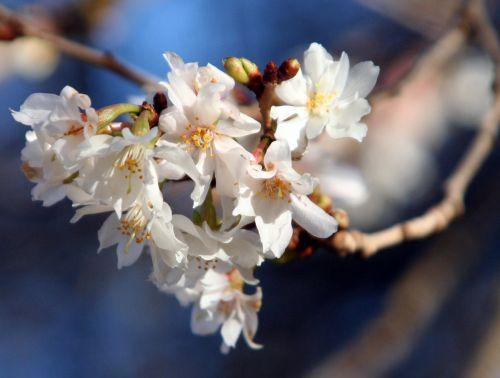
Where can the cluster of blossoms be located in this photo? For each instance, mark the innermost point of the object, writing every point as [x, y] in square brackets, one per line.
[193, 130]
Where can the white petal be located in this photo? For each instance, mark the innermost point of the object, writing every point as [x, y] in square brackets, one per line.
[128, 252]
[97, 145]
[316, 59]
[293, 91]
[164, 237]
[230, 331]
[49, 195]
[357, 131]
[108, 234]
[351, 112]
[257, 172]
[202, 323]
[341, 77]
[304, 184]
[278, 153]
[173, 122]
[362, 79]
[179, 92]
[88, 210]
[241, 127]
[174, 61]
[139, 139]
[231, 164]
[182, 159]
[274, 223]
[206, 110]
[36, 108]
[315, 126]
[291, 126]
[311, 217]
[185, 224]
[244, 204]
[245, 249]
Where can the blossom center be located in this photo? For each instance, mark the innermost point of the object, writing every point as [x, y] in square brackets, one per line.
[276, 188]
[199, 137]
[235, 279]
[131, 158]
[134, 225]
[319, 102]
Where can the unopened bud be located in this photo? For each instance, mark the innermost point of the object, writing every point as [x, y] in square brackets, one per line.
[160, 102]
[342, 218]
[9, 31]
[271, 73]
[241, 69]
[288, 69]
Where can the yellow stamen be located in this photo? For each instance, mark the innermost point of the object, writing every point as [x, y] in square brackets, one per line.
[199, 138]
[236, 281]
[319, 102]
[131, 158]
[134, 225]
[276, 188]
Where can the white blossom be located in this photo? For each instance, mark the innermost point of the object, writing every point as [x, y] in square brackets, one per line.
[60, 124]
[203, 122]
[208, 249]
[275, 194]
[120, 168]
[148, 221]
[125, 164]
[219, 302]
[328, 95]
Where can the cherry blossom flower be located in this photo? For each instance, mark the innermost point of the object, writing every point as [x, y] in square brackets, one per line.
[208, 249]
[276, 193]
[328, 95]
[148, 221]
[204, 123]
[120, 168]
[127, 163]
[219, 302]
[60, 124]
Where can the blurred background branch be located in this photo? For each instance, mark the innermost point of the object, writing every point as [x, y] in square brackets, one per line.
[474, 22]
[20, 26]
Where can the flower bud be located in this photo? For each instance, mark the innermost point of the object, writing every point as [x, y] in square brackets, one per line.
[241, 69]
[271, 73]
[342, 218]
[288, 69]
[10, 30]
[160, 102]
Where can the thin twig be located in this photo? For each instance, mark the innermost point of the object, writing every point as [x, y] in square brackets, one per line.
[76, 50]
[265, 101]
[441, 215]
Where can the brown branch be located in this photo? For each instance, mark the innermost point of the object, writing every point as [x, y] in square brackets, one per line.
[265, 101]
[415, 299]
[74, 49]
[451, 206]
